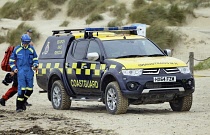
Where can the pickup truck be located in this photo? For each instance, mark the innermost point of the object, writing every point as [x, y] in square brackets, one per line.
[112, 65]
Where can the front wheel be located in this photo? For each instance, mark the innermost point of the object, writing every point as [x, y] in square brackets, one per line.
[115, 102]
[182, 103]
[59, 98]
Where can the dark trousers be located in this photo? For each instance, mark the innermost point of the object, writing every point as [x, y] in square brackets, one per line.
[13, 90]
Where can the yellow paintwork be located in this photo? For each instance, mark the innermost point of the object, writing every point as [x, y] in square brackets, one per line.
[100, 34]
[117, 37]
[150, 62]
[108, 36]
[140, 62]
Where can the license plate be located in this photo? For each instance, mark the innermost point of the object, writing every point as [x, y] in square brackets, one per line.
[165, 79]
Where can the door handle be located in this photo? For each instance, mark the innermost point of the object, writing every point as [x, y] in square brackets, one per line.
[68, 65]
[84, 67]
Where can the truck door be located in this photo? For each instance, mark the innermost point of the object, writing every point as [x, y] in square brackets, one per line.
[84, 75]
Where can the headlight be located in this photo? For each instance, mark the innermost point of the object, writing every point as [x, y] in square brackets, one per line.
[184, 70]
[132, 72]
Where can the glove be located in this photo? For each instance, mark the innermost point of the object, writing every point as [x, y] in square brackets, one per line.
[35, 66]
[5, 83]
[8, 79]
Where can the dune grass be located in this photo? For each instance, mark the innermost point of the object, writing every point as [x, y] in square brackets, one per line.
[203, 65]
[197, 3]
[164, 37]
[119, 10]
[94, 17]
[7, 11]
[50, 13]
[58, 2]
[82, 8]
[114, 23]
[148, 14]
[64, 24]
[173, 14]
[176, 15]
[138, 3]
[26, 10]
[158, 14]
[2, 39]
[43, 4]
[20, 9]
[13, 36]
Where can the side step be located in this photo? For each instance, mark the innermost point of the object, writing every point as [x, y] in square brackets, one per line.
[42, 91]
[86, 99]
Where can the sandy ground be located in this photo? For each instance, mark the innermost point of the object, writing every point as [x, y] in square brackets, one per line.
[91, 117]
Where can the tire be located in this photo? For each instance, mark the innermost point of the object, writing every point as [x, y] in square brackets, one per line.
[59, 98]
[182, 103]
[115, 102]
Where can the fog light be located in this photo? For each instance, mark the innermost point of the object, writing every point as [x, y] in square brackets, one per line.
[190, 82]
[132, 85]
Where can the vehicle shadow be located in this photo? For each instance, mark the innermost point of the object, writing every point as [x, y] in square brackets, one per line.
[131, 110]
[90, 109]
[148, 111]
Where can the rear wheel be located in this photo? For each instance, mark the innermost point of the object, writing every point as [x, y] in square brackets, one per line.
[59, 98]
[115, 102]
[182, 103]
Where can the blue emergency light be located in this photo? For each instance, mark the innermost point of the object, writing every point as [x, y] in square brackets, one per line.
[88, 32]
[111, 28]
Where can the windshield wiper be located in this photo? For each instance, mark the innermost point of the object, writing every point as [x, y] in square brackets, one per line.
[130, 56]
[154, 55]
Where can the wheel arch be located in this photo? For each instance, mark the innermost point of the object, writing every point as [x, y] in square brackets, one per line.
[60, 99]
[52, 79]
[57, 75]
[115, 102]
[106, 80]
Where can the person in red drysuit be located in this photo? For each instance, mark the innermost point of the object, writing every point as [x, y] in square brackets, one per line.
[9, 78]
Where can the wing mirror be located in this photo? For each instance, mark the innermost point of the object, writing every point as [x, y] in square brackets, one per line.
[93, 56]
[168, 52]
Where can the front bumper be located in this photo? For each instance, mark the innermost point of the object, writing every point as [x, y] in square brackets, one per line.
[144, 86]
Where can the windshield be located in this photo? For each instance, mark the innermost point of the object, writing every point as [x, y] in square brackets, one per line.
[131, 48]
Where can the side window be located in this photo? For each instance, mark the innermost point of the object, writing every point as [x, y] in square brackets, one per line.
[79, 51]
[93, 47]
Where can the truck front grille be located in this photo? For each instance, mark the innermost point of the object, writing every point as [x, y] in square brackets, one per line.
[171, 70]
[155, 71]
[151, 71]
[151, 85]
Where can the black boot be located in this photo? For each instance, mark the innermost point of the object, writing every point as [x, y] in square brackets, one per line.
[28, 104]
[2, 102]
[24, 106]
[19, 110]
[19, 105]
[25, 103]
[26, 96]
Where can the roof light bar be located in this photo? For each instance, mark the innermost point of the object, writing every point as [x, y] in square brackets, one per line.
[111, 28]
[66, 31]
